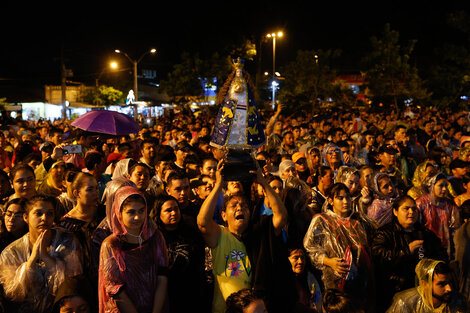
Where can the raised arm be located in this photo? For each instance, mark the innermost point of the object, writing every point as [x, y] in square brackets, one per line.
[205, 219]
[273, 119]
[276, 204]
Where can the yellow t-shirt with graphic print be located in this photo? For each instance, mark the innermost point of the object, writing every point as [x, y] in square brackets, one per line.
[231, 268]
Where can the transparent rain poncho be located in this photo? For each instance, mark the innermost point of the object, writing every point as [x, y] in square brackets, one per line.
[122, 168]
[380, 209]
[133, 268]
[443, 218]
[344, 174]
[419, 299]
[418, 177]
[347, 238]
[35, 289]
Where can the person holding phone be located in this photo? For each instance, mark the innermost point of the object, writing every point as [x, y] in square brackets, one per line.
[76, 155]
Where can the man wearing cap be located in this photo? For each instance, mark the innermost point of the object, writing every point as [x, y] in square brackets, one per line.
[46, 149]
[301, 167]
[111, 161]
[305, 136]
[458, 168]
[201, 187]
[182, 149]
[387, 163]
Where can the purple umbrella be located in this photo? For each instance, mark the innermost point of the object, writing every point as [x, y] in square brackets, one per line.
[107, 122]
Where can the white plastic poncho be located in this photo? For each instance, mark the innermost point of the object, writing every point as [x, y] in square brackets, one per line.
[35, 289]
[347, 238]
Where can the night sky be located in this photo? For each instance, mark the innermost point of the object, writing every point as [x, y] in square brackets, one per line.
[33, 38]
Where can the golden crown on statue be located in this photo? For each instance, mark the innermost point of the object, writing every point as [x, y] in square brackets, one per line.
[238, 63]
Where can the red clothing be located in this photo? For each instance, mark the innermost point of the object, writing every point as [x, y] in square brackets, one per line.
[131, 267]
[5, 161]
[442, 219]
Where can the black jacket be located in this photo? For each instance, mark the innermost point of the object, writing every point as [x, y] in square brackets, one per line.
[394, 263]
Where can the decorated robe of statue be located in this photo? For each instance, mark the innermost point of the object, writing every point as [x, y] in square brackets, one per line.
[238, 125]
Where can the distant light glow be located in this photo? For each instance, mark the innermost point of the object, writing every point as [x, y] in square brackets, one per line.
[274, 35]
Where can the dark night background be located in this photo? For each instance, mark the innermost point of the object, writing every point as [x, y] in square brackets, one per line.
[32, 37]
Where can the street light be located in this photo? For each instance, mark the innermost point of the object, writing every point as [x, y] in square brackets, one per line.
[135, 62]
[273, 36]
[112, 66]
[274, 85]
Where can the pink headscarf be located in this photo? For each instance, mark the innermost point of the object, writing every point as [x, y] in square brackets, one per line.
[117, 226]
[137, 268]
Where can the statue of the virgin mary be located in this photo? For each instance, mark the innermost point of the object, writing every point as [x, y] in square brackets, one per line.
[238, 127]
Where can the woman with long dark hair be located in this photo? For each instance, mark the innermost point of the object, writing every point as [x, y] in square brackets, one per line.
[187, 287]
[325, 181]
[12, 224]
[397, 248]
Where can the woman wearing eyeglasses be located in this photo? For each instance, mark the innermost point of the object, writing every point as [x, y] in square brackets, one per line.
[12, 224]
[333, 157]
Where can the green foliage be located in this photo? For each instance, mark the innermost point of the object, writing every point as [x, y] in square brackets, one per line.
[308, 79]
[389, 74]
[104, 96]
[185, 79]
[3, 102]
[448, 77]
[343, 96]
[245, 50]
[217, 66]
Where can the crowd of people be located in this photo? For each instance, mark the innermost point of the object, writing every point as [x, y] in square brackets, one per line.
[347, 211]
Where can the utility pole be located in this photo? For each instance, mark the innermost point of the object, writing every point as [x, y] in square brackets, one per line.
[136, 93]
[259, 75]
[63, 86]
